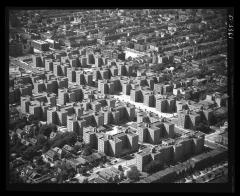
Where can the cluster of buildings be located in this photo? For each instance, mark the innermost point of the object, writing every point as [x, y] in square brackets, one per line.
[116, 145]
[83, 60]
[197, 162]
[171, 150]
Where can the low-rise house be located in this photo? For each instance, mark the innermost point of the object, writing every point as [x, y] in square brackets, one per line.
[51, 155]
[95, 157]
[59, 152]
[111, 175]
[68, 149]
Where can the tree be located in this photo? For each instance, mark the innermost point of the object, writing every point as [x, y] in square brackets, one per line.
[133, 174]
[101, 164]
[110, 180]
[30, 152]
[82, 170]
[46, 130]
[122, 175]
[202, 127]
[63, 175]
[66, 138]
[14, 21]
[59, 143]
[104, 159]
[15, 147]
[85, 180]
[59, 178]
[120, 168]
[14, 138]
[46, 147]
[20, 125]
[14, 177]
[87, 150]
[153, 166]
[76, 148]
[71, 138]
[41, 140]
[53, 127]
[39, 160]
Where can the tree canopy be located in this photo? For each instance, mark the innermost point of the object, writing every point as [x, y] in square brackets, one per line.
[31, 152]
[67, 138]
[120, 168]
[87, 150]
[47, 129]
[133, 174]
[41, 140]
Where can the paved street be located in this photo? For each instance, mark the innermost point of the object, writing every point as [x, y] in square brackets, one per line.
[213, 145]
[126, 163]
[126, 98]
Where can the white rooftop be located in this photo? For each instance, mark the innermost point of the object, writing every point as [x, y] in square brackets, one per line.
[40, 41]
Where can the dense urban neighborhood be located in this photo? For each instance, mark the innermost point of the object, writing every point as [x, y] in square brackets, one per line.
[118, 96]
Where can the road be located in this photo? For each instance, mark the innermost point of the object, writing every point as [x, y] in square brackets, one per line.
[126, 98]
[126, 163]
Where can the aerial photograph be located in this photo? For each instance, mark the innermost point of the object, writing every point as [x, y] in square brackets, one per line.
[118, 95]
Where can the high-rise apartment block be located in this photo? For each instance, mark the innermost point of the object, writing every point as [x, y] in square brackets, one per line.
[171, 151]
[26, 90]
[39, 87]
[72, 124]
[52, 116]
[62, 117]
[149, 99]
[162, 105]
[136, 95]
[71, 74]
[57, 71]
[126, 88]
[40, 45]
[37, 61]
